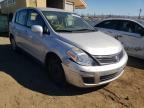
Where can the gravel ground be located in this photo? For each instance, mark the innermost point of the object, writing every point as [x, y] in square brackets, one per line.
[24, 84]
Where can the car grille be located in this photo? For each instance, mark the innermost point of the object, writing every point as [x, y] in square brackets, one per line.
[109, 77]
[106, 60]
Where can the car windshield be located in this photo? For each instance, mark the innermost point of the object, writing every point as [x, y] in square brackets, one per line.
[67, 22]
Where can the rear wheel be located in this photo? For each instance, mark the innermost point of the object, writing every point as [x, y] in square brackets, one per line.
[55, 70]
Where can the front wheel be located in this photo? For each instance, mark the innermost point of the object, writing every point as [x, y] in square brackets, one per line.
[55, 70]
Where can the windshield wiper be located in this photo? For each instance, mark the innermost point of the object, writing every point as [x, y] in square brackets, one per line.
[64, 31]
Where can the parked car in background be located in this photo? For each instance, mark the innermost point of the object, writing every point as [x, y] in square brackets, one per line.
[129, 31]
[70, 48]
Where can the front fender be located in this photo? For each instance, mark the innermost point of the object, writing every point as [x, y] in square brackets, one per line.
[59, 48]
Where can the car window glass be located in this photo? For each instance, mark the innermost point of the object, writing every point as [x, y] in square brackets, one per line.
[131, 27]
[139, 30]
[21, 17]
[110, 24]
[65, 21]
[35, 19]
[55, 22]
[127, 26]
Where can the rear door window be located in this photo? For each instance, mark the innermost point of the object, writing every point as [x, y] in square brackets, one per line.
[131, 27]
[139, 29]
[126, 26]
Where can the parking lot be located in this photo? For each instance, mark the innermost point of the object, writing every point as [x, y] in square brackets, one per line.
[25, 84]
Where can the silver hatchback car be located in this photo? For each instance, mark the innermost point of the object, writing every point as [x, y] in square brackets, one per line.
[71, 49]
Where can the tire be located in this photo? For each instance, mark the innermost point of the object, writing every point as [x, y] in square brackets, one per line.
[13, 44]
[55, 71]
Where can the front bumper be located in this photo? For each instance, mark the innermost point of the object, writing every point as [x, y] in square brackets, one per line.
[91, 76]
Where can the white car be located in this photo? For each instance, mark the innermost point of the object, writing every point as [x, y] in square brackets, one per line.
[71, 49]
[129, 32]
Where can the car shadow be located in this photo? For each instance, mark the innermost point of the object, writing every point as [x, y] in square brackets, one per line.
[32, 75]
[135, 62]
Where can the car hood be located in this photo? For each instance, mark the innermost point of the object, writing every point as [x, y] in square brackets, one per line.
[95, 43]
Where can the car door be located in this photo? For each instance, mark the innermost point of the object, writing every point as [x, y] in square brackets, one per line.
[20, 28]
[131, 36]
[35, 42]
[108, 26]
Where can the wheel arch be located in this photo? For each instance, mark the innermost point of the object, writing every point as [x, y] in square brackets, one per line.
[52, 55]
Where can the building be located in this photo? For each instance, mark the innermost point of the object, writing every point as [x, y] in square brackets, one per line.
[10, 6]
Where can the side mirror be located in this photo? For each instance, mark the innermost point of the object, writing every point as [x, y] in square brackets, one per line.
[37, 29]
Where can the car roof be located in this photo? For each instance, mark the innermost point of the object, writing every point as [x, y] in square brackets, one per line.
[44, 9]
[125, 19]
[51, 9]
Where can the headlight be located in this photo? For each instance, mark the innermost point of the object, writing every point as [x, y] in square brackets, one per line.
[80, 57]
